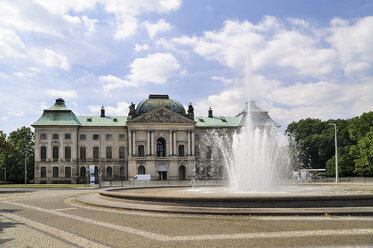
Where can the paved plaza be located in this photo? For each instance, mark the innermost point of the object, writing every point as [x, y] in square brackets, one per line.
[53, 218]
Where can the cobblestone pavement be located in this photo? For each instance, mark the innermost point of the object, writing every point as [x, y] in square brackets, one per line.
[50, 218]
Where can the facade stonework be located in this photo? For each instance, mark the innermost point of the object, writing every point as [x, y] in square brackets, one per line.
[157, 137]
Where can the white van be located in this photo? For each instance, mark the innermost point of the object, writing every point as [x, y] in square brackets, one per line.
[143, 177]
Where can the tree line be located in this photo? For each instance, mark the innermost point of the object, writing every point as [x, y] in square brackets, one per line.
[311, 145]
[14, 150]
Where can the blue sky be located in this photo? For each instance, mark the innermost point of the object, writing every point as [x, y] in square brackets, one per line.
[296, 58]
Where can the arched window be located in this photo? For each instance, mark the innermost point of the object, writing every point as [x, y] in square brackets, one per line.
[83, 172]
[96, 152]
[182, 172]
[161, 147]
[55, 153]
[221, 171]
[67, 171]
[181, 150]
[43, 172]
[55, 172]
[121, 171]
[67, 153]
[82, 153]
[141, 170]
[109, 172]
[43, 153]
[141, 152]
[121, 152]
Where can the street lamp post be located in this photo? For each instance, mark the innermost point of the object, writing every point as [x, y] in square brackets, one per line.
[336, 151]
[25, 168]
[100, 169]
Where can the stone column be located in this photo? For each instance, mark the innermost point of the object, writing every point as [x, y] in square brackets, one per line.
[193, 143]
[188, 132]
[171, 150]
[175, 148]
[134, 143]
[130, 142]
[153, 143]
[148, 143]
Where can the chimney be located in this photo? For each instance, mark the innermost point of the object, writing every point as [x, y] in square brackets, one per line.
[102, 111]
[210, 113]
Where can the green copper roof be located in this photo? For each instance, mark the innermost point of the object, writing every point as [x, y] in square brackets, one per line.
[221, 121]
[57, 115]
[107, 121]
[159, 101]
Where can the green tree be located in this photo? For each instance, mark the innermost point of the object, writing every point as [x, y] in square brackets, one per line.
[3, 146]
[363, 152]
[20, 144]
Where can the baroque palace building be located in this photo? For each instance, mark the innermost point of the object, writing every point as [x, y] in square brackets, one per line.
[158, 137]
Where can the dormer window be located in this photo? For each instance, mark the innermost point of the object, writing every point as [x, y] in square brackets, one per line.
[223, 119]
[115, 120]
[89, 119]
[201, 120]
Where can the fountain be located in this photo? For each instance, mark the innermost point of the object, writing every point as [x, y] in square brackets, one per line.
[250, 155]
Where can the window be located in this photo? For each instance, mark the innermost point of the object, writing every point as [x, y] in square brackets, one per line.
[121, 136]
[221, 171]
[83, 172]
[109, 136]
[161, 147]
[181, 150]
[208, 152]
[82, 153]
[43, 136]
[121, 171]
[109, 152]
[67, 136]
[141, 170]
[83, 137]
[141, 152]
[55, 136]
[67, 153]
[109, 172]
[96, 136]
[196, 136]
[43, 172]
[67, 171]
[182, 172]
[96, 152]
[55, 153]
[196, 150]
[55, 171]
[43, 153]
[122, 153]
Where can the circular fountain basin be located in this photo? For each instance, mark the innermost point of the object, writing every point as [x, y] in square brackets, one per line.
[297, 196]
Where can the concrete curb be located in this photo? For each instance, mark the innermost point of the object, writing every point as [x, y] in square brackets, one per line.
[96, 200]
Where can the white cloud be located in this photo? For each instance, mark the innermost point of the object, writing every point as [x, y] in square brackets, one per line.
[353, 43]
[11, 44]
[113, 82]
[222, 79]
[120, 109]
[4, 118]
[52, 59]
[62, 93]
[229, 102]
[143, 47]
[155, 68]
[159, 27]
[18, 114]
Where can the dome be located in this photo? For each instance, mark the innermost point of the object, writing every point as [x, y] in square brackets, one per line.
[159, 101]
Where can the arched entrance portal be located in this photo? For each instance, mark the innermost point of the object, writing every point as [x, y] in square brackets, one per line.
[161, 147]
[182, 174]
[162, 172]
